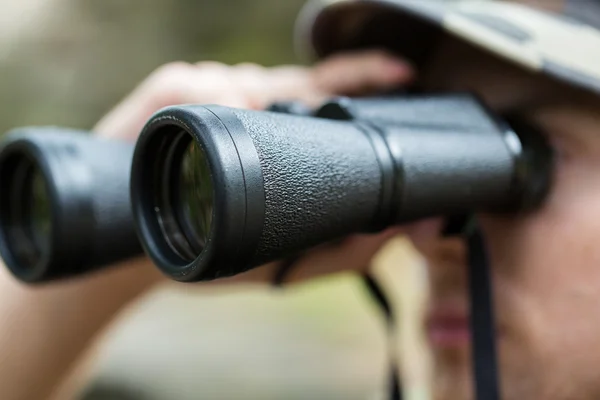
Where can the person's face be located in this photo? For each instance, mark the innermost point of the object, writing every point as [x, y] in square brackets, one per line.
[545, 265]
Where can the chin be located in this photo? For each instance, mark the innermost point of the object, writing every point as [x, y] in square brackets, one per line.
[452, 377]
[451, 366]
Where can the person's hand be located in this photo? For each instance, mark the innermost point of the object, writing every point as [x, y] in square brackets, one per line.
[252, 86]
[255, 87]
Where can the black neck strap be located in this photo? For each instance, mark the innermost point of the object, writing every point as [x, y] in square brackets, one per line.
[484, 356]
[485, 365]
[381, 300]
[378, 295]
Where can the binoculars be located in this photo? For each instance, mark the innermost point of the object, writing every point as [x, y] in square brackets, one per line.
[209, 191]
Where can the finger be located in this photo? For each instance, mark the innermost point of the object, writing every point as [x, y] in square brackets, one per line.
[252, 81]
[263, 86]
[353, 254]
[292, 83]
[344, 74]
[361, 73]
[172, 84]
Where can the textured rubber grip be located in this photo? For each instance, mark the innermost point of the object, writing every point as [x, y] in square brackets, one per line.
[88, 181]
[322, 180]
[451, 155]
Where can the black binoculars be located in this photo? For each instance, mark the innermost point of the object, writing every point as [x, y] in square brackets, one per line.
[210, 191]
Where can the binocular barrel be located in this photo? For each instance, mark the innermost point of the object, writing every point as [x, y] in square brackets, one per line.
[65, 208]
[216, 191]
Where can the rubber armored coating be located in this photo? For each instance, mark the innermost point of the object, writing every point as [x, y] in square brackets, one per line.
[114, 236]
[449, 173]
[321, 180]
[92, 218]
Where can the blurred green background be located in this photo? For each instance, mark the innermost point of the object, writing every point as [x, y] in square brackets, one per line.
[68, 62]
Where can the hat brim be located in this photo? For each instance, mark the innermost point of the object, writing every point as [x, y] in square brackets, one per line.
[538, 41]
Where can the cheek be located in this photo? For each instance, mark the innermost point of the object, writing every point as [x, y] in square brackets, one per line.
[559, 247]
[561, 241]
[547, 267]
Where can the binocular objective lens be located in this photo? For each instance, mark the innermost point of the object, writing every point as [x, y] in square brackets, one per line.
[195, 196]
[26, 212]
[186, 197]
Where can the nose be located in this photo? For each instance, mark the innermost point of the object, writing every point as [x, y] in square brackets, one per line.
[444, 251]
[440, 239]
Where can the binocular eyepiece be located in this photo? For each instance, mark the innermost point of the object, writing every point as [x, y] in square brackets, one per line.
[213, 191]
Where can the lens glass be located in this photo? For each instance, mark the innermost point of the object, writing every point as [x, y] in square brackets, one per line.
[195, 196]
[185, 195]
[40, 213]
[26, 212]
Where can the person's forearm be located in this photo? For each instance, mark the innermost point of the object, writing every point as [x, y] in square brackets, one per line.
[43, 330]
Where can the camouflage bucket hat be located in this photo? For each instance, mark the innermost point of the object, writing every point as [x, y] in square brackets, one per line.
[564, 44]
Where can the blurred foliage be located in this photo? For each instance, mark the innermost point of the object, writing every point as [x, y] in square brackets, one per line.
[73, 60]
